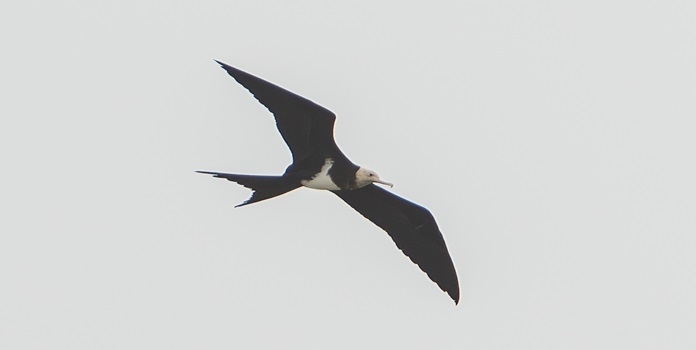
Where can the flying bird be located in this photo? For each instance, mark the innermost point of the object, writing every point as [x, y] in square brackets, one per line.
[318, 163]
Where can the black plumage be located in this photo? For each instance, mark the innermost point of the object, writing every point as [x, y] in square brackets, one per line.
[307, 129]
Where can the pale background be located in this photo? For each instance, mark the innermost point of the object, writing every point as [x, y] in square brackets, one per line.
[554, 142]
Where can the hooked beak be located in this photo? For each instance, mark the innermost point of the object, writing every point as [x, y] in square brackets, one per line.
[384, 183]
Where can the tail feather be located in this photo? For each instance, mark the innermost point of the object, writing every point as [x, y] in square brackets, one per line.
[264, 187]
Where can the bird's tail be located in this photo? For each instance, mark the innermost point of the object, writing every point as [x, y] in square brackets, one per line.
[264, 187]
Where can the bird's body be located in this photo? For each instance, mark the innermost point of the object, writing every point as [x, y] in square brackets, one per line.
[318, 163]
[322, 180]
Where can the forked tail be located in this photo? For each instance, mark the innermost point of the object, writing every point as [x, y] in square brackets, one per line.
[264, 187]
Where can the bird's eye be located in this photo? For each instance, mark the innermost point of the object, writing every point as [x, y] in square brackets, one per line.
[370, 174]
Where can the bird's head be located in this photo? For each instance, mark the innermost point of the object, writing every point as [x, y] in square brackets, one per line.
[364, 177]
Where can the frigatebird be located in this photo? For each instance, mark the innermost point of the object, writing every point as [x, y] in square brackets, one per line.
[318, 163]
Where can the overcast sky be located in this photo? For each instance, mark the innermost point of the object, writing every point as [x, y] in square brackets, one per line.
[554, 143]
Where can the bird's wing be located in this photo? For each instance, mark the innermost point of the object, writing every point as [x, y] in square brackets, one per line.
[412, 228]
[303, 124]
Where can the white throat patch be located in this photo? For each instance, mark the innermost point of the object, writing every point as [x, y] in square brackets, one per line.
[322, 181]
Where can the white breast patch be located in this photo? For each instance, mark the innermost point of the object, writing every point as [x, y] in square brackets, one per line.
[322, 181]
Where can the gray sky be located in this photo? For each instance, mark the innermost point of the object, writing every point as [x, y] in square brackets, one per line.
[554, 143]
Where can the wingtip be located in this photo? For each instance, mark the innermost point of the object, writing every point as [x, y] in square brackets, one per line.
[243, 203]
[454, 294]
[225, 66]
[208, 173]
